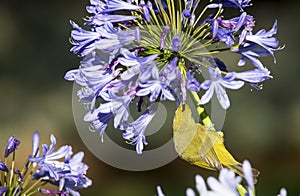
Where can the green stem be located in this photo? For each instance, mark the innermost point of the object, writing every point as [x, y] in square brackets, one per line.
[32, 186]
[202, 112]
[25, 168]
[33, 192]
[14, 191]
[5, 173]
[12, 168]
[28, 178]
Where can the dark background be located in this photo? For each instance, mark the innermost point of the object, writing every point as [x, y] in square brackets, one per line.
[263, 127]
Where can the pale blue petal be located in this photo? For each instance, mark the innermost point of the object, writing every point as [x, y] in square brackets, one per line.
[167, 94]
[190, 192]
[159, 191]
[222, 96]
[60, 153]
[35, 143]
[207, 95]
[247, 171]
[232, 84]
[206, 84]
[200, 185]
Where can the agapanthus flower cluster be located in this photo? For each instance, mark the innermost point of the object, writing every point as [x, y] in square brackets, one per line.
[44, 166]
[227, 184]
[138, 52]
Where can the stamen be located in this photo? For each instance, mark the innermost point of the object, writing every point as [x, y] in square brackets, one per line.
[163, 36]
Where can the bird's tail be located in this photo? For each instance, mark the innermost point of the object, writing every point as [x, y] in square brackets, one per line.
[238, 168]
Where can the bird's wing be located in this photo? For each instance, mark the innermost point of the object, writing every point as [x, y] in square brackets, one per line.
[184, 129]
[206, 150]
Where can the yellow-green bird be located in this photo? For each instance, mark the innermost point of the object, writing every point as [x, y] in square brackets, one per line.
[200, 146]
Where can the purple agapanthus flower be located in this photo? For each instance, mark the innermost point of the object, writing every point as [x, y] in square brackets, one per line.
[117, 106]
[225, 36]
[69, 174]
[49, 159]
[155, 87]
[254, 76]
[216, 85]
[265, 39]
[75, 178]
[176, 44]
[60, 168]
[258, 45]
[141, 52]
[251, 52]
[192, 83]
[99, 121]
[134, 131]
[12, 145]
[104, 38]
[225, 29]
[95, 6]
[3, 167]
[94, 78]
[187, 14]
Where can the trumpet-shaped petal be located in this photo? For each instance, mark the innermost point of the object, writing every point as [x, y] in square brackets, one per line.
[265, 39]
[105, 38]
[49, 160]
[35, 143]
[216, 84]
[98, 121]
[134, 131]
[102, 19]
[254, 76]
[115, 5]
[155, 87]
[117, 106]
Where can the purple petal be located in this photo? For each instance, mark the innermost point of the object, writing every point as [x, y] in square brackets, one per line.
[3, 190]
[53, 143]
[247, 170]
[222, 96]
[3, 167]
[12, 145]
[140, 144]
[71, 75]
[206, 84]
[232, 84]
[167, 94]
[35, 143]
[207, 95]
[215, 27]
[241, 21]
[60, 153]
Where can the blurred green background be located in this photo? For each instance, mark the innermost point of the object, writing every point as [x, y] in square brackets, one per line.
[263, 127]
